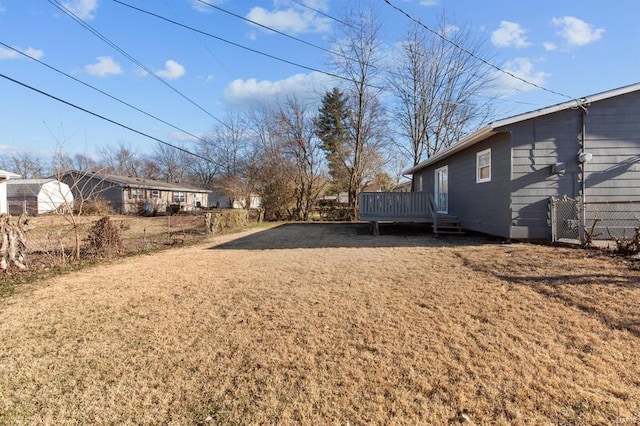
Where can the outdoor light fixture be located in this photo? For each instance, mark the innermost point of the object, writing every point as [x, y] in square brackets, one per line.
[585, 157]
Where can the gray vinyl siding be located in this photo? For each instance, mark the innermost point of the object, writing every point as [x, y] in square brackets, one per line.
[613, 137]
[89, 188]
[538, 144]
[515, 204]
[482, 207]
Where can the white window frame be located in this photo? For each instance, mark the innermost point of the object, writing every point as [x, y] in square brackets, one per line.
[479, 155]
[155, 194]
[179, 197]
[137, 193]
[441, 194]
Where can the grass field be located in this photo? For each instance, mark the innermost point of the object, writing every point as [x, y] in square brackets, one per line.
[324, 324]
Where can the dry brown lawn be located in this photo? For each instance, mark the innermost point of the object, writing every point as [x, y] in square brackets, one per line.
[324, 324]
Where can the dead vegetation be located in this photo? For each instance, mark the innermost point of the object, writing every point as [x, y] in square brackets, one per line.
[316, 324]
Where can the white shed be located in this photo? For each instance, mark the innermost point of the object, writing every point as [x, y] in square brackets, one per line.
[38, 196]
[4, 177]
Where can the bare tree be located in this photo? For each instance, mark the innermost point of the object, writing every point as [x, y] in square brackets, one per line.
[173, 164]
[438, 88]
[80, 162]
[269, 167]
[121, 160]
[26, 165]
[231, 152]
[359, 59]
[297, 132]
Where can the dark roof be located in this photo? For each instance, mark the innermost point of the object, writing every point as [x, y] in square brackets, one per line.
[139, 182]
[26, 187]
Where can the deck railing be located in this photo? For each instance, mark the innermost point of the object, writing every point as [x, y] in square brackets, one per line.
[395, 206]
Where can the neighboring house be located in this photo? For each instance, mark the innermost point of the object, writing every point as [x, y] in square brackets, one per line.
[402, 187]
[221, 200]
[4, 177]
[38, 196]
[126, 194]
[499, 180]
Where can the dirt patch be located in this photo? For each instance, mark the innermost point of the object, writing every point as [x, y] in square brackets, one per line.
[309, 324]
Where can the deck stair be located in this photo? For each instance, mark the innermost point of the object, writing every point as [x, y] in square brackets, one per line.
[446, 224]
[443, 223]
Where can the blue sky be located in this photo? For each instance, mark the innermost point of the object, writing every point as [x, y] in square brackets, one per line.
[573, 47]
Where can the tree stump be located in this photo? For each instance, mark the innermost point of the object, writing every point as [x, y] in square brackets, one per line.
[14, 242]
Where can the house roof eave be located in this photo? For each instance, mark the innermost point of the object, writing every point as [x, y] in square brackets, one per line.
[498, 126]
[472, 139]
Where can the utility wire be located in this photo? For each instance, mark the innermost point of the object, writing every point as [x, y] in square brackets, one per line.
[100, 91]
[89, 28]
[124, 126]
[325, 49]
[473, 55]
[319, 12]
[200, 41]
[155, 15]
[289, 36]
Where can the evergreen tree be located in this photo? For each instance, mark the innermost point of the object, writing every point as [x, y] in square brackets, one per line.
[332, 129]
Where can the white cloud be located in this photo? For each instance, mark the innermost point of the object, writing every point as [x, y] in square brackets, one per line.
[183, 137]
[428, 3]
[549, 46]
[83, 9]
[246, 93]
[200, 6]
[524, 69]
[29, 51]
[509, 34]
[292, 20]
[2, 9]
[172, 70]
[577, 32]
[105, 66]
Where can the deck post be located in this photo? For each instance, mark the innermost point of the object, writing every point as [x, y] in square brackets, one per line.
[374, 227]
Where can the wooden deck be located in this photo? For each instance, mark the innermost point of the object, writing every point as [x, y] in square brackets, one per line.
[414, 207]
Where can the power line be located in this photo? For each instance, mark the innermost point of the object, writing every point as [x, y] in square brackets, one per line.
[235, 15]
[473, 55]
[289, 36]
[95, 32]
[124, 126]
[101, 91]
[201, 42]
[325, 49]
[320, 13]
[155, 15]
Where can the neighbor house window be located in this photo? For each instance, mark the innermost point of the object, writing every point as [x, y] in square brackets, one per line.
[137, 194]
[483, 166]
[179, 197]
[155, 194]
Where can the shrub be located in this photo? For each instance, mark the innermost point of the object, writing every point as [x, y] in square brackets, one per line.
[105, 237]
[98, 207]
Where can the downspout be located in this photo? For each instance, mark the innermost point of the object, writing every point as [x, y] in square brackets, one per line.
[582, 104]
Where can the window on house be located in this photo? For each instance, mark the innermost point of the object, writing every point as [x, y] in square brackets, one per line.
[483, 166]
[179, 197]
[155, 194]
[137, 194]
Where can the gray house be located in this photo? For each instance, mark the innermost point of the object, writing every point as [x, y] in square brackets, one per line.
[499, 180]
[127, 194]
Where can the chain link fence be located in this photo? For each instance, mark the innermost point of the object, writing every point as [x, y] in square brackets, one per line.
[599, 224]
[55, 241]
